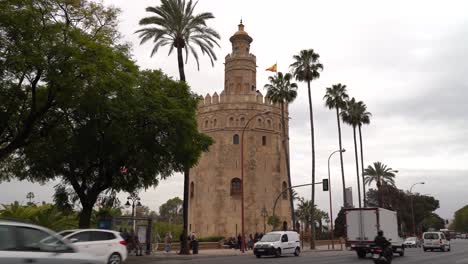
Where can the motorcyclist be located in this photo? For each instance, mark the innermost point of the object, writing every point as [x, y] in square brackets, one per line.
[384, 244]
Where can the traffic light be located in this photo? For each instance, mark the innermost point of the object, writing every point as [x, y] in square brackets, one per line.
[325, 185]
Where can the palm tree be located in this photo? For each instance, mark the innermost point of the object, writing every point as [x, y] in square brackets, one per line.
[281, 90]
[364, 119]
[174, 24]
[303, 211]
[351, 116]
[335, 98]
[307, 68]
[381, 175]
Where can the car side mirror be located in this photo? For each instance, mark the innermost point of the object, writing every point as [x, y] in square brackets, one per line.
[389, 239]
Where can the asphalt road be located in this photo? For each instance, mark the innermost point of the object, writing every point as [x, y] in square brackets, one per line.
[458, 255]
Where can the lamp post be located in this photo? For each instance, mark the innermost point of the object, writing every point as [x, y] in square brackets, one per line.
[135, 202]
[242, 175]
[412, 207]
[330, 196]
[264, 213]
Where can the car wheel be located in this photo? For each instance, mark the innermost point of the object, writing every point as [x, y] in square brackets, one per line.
[278, 253]
[115, 258]
[449, 248]
[402, 252]
[425, 249]
[258, 256]
[297, 252]
[442, 248]
[361, 253]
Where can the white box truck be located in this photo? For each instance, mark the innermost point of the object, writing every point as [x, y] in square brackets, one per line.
[362, 225]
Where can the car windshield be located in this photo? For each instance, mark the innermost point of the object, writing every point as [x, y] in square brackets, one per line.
[65, 233]
[270, 238]
[431, 236]
[411, 239]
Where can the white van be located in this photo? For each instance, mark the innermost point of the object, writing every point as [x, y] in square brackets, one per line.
[435, 240]
[278, 243]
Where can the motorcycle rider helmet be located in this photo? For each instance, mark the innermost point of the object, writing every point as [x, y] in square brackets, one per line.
[380, 233]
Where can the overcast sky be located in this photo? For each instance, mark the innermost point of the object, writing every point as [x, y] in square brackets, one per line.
[407, 60]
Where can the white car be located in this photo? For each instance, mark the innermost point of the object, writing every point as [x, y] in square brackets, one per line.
[412, 242]
[278, 243]
[107, 245]
[26, 243]
[435, 240]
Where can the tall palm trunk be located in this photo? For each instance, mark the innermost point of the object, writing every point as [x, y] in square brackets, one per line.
[288, 167]
[362, 169]
[184, 250]
[345, 203]
[312, 237]
[180, 61]
[379, 192]
[357, 166]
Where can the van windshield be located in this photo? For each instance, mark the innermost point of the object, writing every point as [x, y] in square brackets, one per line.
[431, 236]
[270, 238]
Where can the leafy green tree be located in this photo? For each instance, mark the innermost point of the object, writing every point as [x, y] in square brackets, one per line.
[174, 24]
[171, 211]
[282, 91]
[42, 64]
[432, 221]
[380, 174]
[351, 116]
[335, 98]
[306, 68]
[141, 122]
[460, 221]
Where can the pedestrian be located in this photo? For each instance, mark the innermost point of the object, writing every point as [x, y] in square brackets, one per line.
[256, 237]
[167, 241]
[156, 240]
[251, 241]
[239, 241]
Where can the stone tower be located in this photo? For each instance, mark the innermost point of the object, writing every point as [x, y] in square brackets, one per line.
[215, 185]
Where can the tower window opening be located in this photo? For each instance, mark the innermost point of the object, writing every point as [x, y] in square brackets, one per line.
[236, 187]
[285, 194]
[235, 139]
[206, 123]
[269, 123]
[215, 122]
[253, 88]
[231, 121]
[264, 140]
[259, 122]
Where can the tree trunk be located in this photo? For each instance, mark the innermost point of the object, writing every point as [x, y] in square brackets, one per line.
[357, 166]
[288, 167]
[180, 61]
[362, 169]
[184, 250]
[379, 192]
[345, 203]
[85, 216]
[311, 113]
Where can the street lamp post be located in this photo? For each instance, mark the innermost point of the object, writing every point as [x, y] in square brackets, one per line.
[330, 196]
[135, 202]
[264, 213]
[242, 175]
[412, 207]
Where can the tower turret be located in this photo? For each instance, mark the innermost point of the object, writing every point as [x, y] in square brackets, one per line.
[240, 71]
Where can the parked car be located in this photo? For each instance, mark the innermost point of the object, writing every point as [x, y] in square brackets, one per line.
[435, 240]
[26, 243]
[107, 245]
[278, 243]
[412, 242]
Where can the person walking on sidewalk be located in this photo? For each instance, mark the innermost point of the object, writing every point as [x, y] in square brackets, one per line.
[167, 242]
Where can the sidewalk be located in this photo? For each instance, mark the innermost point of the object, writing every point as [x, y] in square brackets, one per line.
[213, 253]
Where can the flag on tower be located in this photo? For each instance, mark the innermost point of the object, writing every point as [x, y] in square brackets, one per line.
[272, 68]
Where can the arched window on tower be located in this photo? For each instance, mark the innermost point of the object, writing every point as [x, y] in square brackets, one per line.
[206, 123]
[192, 189]
[236, 187]
[242, 121]
[235, 139]
[269, 123]
[285, 194]
[215, 122]
[231, 121]
[259, 122]
[264, 140]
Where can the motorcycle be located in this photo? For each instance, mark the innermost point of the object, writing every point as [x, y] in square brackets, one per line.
[381, 255]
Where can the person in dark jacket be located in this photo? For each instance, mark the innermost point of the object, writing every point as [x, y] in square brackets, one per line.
[384, 244]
